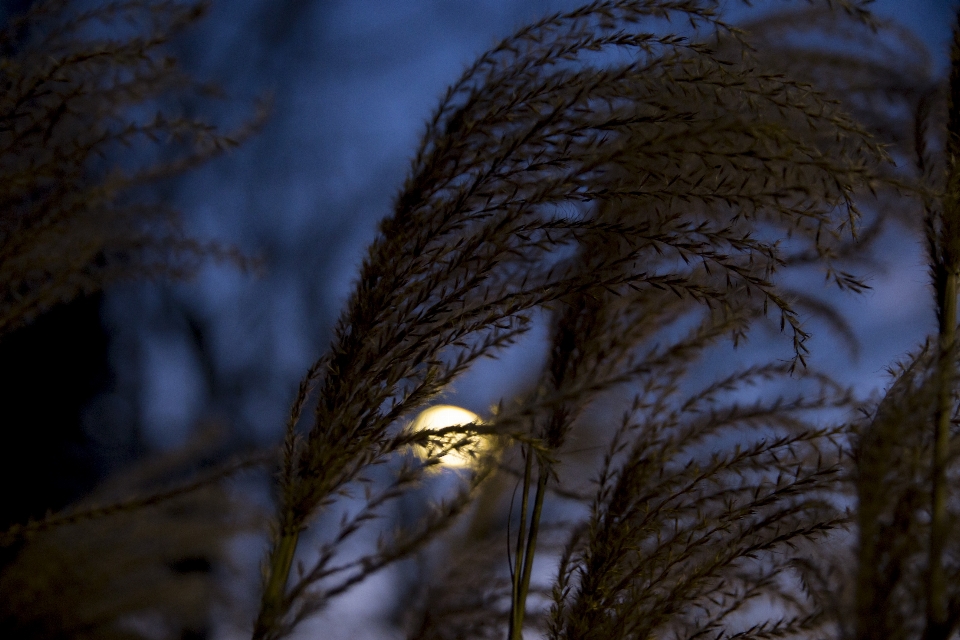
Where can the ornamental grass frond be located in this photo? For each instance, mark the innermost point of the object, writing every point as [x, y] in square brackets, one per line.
[638, 171]
[88, 116]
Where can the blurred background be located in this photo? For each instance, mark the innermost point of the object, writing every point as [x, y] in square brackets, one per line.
[146, 368]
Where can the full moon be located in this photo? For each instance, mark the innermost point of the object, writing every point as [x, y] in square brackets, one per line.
[445, 415]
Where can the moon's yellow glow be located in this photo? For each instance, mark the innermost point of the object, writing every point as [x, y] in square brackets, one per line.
[446, 415]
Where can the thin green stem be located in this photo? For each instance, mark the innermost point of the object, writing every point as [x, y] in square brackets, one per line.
[524, 567]
[271, 605]
[517, 604]
[532, 542]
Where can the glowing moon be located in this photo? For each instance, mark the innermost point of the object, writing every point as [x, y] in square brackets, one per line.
[445, 415]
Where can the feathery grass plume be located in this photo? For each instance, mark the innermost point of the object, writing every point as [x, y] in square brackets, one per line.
[690, 535]
[88, 115]
[907, 559]
[908, 556]
[706, 170]
[21, 532]
[892, 475]
[896, 483]
[883, 75]
[155, 570]
[878, 69]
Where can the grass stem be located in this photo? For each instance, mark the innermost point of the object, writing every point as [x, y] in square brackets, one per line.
[517, 603]
[523, 571]
[271, 606]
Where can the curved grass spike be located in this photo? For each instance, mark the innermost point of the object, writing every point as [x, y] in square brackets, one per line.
[75, 146]
[671, 171]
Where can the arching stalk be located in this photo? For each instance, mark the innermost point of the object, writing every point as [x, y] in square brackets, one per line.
[946, 267]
